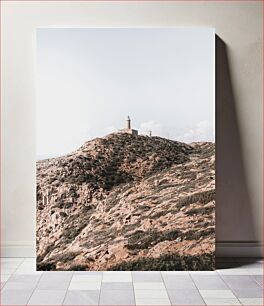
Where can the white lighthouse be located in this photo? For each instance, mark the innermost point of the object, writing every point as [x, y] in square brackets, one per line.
[128, 123]
[128, 128]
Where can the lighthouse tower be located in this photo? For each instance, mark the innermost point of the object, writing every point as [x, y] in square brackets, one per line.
[128, 128]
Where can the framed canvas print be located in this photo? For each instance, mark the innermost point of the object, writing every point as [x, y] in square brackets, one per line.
[125, 149]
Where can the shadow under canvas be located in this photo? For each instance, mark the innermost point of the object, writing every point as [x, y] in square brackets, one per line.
[234, 215]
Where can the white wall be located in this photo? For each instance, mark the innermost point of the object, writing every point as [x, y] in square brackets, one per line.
[239, 106]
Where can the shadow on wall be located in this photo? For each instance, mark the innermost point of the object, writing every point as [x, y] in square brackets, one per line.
[234, 215]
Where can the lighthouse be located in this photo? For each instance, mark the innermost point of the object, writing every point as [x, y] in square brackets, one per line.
[128, 128]
[128, 125]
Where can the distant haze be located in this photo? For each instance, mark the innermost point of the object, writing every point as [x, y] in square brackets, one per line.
[89, 80]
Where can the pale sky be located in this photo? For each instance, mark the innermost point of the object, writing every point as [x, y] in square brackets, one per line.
[89, 80]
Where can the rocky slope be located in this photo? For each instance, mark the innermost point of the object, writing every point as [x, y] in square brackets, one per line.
[127, 202]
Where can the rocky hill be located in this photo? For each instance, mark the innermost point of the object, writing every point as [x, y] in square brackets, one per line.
[126, 202]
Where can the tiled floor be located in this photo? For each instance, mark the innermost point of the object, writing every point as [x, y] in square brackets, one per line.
[236, 282]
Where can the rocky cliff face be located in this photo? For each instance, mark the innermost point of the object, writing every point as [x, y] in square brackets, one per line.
[127, 202]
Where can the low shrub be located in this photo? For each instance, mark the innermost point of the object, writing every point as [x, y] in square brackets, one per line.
[200, 211]
[43, 266]
[144, 240]
[65, 257]
[169, 262]
[77, 268]
[196, 235]
[199, 197]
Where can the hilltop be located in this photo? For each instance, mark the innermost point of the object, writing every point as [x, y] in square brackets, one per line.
[127, 202]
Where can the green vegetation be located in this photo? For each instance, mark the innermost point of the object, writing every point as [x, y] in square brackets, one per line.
[200, 211]
[77, 268]
[65, 257]
[70, 233]
[199, 197]
[197, 234]
[45, 266]
[159, 214]
[169, 263]
[143, 207]
[144, 240]
[141, 240]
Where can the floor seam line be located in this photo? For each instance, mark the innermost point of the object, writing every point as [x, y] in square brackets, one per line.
[197, 288]
[67, 289]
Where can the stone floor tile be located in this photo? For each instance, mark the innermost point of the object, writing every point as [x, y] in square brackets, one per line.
[115, 277]
[232, 271]
[149, 286]
[87, 278]
[203, 273]
[240, 281]
[223, 301]
[258, 279]
[15, 297]
[20, 285]
[185, 297]
[31, 278]
[117, 286]
[248, 293]
[209, 282]
[151, 294]
[85, 286]
[254, 271]
[47, 297]
[177, 273]
[150, 302]
[5, 277]
[117, 297]
[86, 297]
[251, 301]
[218, 294]
[146, 276]
[179, 282]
